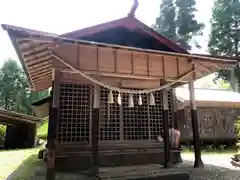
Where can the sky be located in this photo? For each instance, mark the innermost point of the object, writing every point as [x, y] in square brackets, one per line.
[63, 16]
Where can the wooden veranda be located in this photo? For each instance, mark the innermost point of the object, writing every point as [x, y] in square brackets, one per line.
[110, 96]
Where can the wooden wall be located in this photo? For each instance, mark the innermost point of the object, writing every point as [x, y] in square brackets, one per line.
[215, 123]
[121, 62]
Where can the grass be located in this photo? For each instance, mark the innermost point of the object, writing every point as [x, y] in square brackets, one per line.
[42, 130]
[19, 163]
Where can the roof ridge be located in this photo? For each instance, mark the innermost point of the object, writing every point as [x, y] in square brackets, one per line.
[214, 89]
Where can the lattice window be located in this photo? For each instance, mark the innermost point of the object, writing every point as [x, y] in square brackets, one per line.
[74, 113]
[156, 116]
[170, 108]
[116, 122]
[109, 117]
[135, 120]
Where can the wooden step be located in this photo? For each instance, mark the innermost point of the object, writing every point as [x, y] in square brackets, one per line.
[156, 176]
[143, 172]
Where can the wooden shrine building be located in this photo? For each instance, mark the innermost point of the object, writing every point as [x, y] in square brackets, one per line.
[111, 92]
[218, 110]
[20, 129]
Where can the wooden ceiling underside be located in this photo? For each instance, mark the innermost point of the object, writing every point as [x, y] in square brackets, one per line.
[35, 52]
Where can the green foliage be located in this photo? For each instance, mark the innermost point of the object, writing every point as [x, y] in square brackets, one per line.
[165, 23]
[2, 130]
[187, 25]
[15, 94]
[14, 91]
[217, 84]
[36, 96]
[43, 130]
[177, 22]
[225, 33]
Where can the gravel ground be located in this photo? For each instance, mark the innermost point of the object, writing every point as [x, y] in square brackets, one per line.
[217, 167]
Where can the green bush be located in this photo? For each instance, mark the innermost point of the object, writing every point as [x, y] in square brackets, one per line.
[43, 130]
[2, 130]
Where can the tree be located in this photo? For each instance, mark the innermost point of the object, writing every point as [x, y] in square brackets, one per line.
[187, 25]
[13, 86]
[177, 22]
[217, 84]
[15, 94]
[225, 33]
[165, 23]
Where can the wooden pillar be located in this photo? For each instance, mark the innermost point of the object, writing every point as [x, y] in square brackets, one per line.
[167, 150]
[196, 139]
[52, 126]
[32, 131]
[95, 130]
[176, 121]
[175, 113]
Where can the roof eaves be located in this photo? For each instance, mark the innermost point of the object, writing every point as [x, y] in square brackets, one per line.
[96, 28]
[129, 22]
[20, 57]
[171, 44]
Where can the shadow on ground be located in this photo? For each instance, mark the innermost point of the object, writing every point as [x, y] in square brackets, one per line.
[34, 169]
[28, 169]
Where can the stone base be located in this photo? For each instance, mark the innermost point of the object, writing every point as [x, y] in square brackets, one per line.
[147, 172]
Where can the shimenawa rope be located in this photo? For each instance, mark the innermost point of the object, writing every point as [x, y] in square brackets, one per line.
[121, 90]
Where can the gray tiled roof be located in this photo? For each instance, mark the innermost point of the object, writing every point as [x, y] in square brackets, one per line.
[209, 95]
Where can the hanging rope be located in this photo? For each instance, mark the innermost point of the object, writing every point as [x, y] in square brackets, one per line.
[121, 90]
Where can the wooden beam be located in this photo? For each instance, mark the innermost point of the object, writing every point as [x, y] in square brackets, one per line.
[36, 49]
[52, 127]
[43, 73]
[40, 70]
[46, 64]
[36, 55]
[38, 60]
[196, 138]
[167, 150]
[44, 78]
[33, 48]
[95, 130]
[62, 40]
[119, 75]
[204, 68]
[217, 66]
[176, 119]
[39, 86]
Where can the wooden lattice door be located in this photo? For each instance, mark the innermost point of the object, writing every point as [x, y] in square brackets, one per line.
[74, 115]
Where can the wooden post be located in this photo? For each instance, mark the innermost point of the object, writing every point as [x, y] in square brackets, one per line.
[196, 139]
[52, 126]
[175, 113]
[175, 120]
[167, 150]
[95, 130]
[32, 131]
